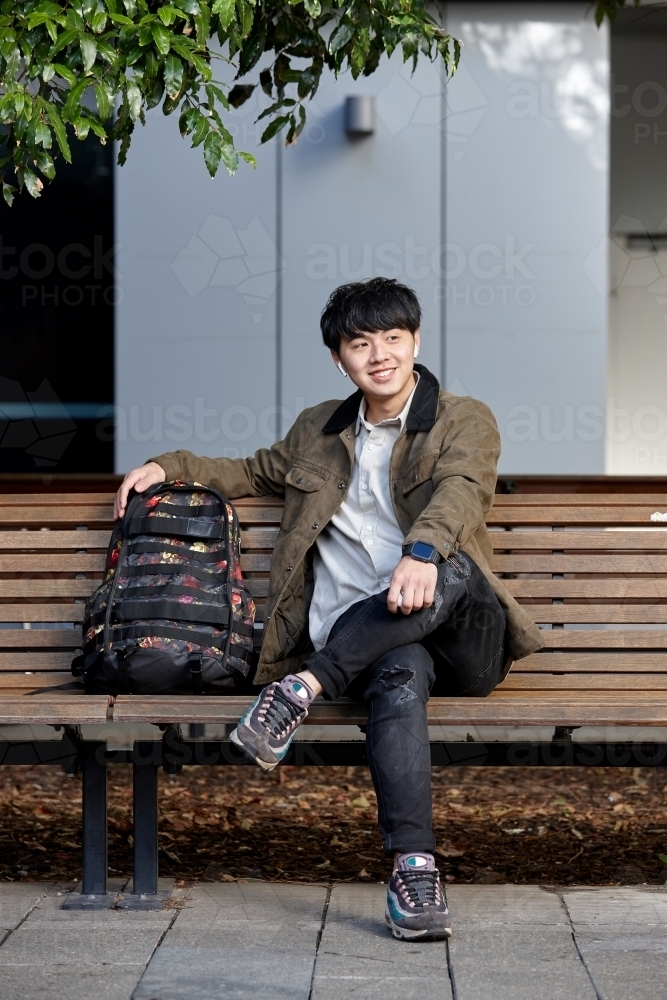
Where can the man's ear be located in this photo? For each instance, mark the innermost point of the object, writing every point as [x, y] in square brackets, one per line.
[334, 357]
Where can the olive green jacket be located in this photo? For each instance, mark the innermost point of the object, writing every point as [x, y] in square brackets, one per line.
[443, 478]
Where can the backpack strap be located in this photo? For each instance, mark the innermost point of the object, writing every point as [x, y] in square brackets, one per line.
[195, 664]
[190, 527]
[206, 614]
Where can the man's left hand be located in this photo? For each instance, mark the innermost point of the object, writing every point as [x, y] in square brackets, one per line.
[416, 581]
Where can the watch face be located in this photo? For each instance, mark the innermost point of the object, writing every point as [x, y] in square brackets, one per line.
[422, 550]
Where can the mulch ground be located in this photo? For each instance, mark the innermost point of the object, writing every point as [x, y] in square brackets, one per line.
[523, 825]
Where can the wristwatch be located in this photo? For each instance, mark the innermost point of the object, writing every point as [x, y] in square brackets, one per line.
[423, 552]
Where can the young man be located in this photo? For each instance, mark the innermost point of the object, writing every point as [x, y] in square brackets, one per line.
[380, 587]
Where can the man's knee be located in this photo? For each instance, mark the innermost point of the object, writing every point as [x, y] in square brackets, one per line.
[402, 675]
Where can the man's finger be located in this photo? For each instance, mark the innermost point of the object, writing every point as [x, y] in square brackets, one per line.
[408, 598]
[393, 595]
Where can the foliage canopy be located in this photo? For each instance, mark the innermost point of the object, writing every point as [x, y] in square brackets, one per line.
[95, 66]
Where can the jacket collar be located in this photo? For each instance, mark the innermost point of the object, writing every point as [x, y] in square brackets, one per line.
[421, 415]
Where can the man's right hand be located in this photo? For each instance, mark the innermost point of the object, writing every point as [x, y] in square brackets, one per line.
[139, 479]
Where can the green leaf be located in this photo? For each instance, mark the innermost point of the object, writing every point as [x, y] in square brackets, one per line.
[276, 125]
[32, 182]
[230, 158]
[45, 164]
[314, 7]
[213, 91]
[341, 36]
[81, 128]
[162, 38]
[189, 6]
[8, 191]
[98, 21]
[73, 99]
[663, 858]
[88, 47]
[201, 66]
[173, 75]
[42, 134]
[65, 72]
[266, 82]
[103, 101]
[133, 100]
[58, 127]
[201, 130]
[97, 128]
[167, 15]
[239, 94]
[225, 11]
[120, 18]
[249, 158]
[212, 152]
[48, 72]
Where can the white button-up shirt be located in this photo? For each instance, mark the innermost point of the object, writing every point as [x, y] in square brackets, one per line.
[361, 546]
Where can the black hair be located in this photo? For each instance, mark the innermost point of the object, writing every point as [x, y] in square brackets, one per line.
[366, 307]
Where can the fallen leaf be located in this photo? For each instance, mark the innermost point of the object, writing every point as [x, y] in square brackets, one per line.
[363, 874]
[361, 802]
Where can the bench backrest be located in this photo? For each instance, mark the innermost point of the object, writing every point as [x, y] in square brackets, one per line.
[592, 567]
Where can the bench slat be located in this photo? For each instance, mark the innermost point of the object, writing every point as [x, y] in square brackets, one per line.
[10, 540]
[607, 563]
[639, 514]
[603, 638]
[254, 562]
[36, 638]
[41, 612]
[52, 710]
[609, 661]
[573, 499]
[84, 514]
[649, 589]
[40, 682]
[584, 682]
[589, 613]
[549, 709]
[23, 660]
[604, 538]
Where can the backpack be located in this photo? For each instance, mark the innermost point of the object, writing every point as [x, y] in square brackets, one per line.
[173, 615]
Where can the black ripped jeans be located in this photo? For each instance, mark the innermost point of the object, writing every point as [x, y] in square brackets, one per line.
[393, 662]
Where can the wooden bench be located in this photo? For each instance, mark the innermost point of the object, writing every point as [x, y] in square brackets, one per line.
[592, 568]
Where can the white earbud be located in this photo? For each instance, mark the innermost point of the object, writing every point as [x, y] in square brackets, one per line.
[341, 369]
[416, 351]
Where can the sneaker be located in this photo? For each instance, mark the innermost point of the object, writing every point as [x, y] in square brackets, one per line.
[266, 730]
[416, 907]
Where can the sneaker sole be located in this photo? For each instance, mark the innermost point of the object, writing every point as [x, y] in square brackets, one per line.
[404, 934]
[249, 752]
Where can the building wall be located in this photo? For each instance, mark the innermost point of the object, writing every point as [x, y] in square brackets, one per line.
[637, 407]
[527, 208]
[485, 199]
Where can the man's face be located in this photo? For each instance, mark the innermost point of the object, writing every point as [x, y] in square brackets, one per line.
[379, 363]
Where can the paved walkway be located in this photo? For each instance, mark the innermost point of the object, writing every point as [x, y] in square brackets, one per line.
[259, 941]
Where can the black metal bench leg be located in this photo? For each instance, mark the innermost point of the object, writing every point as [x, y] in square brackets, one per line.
[145, 894]
[145, 829]
[94, 834]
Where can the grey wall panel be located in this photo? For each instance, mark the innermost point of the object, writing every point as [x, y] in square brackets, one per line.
[195, 324]
[526, 223]
[360, 207]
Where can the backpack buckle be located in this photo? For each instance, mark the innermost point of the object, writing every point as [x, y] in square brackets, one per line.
[195, 664]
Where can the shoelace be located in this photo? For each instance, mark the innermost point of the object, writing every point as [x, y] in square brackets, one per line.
[280, 713]
[421, 887]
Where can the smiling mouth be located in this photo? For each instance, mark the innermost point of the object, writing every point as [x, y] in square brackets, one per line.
[382, 374]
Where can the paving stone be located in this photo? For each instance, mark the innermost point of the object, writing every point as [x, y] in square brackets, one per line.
[516, 942]
[17, 899]
[359, 958]
[622, 935]
[76, 955]
[58, 982]
[238, 941]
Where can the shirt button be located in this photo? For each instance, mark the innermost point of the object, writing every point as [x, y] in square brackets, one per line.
[364, 486]
[370, 541]
[370, 447]
[369, 528]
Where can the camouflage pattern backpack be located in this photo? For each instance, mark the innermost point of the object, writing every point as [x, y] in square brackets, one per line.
[173, 615]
